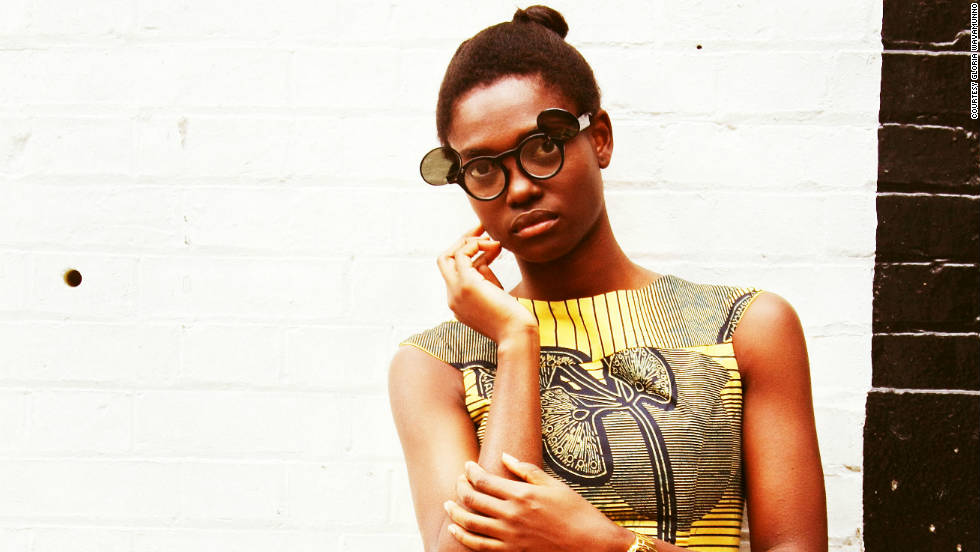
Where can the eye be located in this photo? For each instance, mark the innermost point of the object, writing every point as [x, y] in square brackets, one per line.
[541, 157]
[481, 168]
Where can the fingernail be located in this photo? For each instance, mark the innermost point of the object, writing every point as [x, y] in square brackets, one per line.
[508, 457]
[446, 506]
[453, 529]
[471, 465]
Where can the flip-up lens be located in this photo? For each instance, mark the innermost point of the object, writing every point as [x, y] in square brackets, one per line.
[558, 124]
[440, 166]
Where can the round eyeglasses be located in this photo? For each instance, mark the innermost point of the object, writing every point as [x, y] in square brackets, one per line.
[540, 156]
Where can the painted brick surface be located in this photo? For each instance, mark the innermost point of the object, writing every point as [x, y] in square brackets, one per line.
[237, 184]
[922, 428]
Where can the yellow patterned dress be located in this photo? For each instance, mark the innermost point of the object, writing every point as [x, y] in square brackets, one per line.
[641, 403]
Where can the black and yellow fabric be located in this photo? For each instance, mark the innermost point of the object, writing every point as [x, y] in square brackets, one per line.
[641, 403]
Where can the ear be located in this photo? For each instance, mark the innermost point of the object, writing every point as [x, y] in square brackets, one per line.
[601, 135]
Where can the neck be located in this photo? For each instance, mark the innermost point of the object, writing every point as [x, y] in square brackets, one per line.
[595, 266]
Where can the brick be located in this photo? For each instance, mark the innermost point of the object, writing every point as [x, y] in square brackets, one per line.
[692, 87]
[924, 228]
[391, 542]
[840, 371]
[316, 497]
[216, 422]
[84, 539]
[108, 285]
[251, 20]
[373, 434]
[16, 18]
[14, 280]
[402, 289]
[926, 297]
[305, 221]
[843, 520]
[834, 22]
[14, 417]
[107, 489]
[798, 157]
[330, 77]
[839, 429]
[198, 145]
[250, 355]
[920, 476]
[73, 145]
[927, 159]
[80, 421]
[926, 361]
[63, 17]
[243, 287]
[247, 539]
[118, 216]
[918, 25]
[773, 82]
[926, 90]
[854, 83]
[336, 357]
[232, 492]
[74, 352]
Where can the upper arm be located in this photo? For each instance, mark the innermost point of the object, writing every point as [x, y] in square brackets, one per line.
[436, 432]
[783, 473]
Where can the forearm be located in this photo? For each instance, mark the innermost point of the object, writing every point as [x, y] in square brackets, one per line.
[514, 423]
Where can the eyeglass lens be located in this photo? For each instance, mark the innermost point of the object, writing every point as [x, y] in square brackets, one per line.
[538, 156]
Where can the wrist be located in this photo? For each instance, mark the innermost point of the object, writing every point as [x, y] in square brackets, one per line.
[620, 539]
[519, 335]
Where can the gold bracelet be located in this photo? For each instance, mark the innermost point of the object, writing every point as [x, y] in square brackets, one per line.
[643, 543]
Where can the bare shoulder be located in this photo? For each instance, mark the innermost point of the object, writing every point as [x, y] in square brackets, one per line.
[414, 372]
[768, 335]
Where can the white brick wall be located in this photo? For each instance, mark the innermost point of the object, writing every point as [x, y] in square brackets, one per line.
[237, 184]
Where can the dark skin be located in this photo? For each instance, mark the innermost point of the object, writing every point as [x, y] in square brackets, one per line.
[496, 497]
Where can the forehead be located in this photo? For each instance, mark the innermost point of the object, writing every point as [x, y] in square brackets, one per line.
[494, 116]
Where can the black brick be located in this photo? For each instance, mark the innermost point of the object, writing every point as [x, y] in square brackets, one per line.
[926, 25]
[926, 89]
[927, 228]
[928, 159]
[920, 470]
[926, 297]
[926, 361]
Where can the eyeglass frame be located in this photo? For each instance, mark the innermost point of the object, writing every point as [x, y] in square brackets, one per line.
[559, 136]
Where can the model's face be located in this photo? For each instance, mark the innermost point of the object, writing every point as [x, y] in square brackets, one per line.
[538, 220]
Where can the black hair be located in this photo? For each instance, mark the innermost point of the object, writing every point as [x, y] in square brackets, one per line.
[533, 43]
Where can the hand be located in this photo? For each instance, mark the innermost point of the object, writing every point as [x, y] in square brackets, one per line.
[537, 514]
[474, 292]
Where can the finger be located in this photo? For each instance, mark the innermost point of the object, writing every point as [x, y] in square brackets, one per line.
[526, 470]
[475, 542]
[490, 251]
[447, 267]
[478, 502]
[493, 485]
[472, 522]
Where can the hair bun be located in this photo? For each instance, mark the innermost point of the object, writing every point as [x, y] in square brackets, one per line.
[543, 15]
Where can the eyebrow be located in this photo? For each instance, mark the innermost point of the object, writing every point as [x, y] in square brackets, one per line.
[470, 153]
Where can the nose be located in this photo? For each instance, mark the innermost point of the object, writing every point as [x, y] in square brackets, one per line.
[521, 189]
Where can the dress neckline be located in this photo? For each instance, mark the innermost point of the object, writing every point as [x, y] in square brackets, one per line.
[644, 288]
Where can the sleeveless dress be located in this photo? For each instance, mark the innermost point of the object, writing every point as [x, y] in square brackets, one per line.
[641, 403]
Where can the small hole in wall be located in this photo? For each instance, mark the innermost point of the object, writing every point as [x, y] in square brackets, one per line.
[73, 278]
[699, 46]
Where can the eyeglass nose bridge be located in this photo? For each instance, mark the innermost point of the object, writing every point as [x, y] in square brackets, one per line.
[515, 152]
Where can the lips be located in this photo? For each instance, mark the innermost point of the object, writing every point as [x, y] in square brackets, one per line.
[533, 222]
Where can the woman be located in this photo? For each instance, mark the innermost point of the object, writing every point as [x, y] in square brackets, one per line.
[598, 405]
